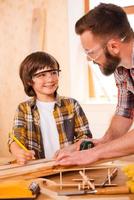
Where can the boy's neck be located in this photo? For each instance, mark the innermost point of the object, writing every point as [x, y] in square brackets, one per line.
[47, 98]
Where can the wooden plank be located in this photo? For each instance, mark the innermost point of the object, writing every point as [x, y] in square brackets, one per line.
[91, 82]
[86, 6]
[32, 162]
[129, 9]
[5, 160]
[39, 168]
[38, 29]
[27, 171]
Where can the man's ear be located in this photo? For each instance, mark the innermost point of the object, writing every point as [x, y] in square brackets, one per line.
[113, 46]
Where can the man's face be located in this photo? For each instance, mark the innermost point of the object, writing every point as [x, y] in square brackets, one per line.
[98, 52]
[110, 64]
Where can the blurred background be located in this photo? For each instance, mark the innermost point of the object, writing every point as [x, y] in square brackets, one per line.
[48, 25]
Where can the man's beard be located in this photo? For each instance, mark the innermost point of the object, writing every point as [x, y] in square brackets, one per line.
[111, 63]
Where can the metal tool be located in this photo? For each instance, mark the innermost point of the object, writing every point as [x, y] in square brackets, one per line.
[34, 187]
[103, 191]
[18, 189]
[38, 187]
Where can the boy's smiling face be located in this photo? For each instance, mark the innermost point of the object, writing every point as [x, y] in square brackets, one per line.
[45, 83]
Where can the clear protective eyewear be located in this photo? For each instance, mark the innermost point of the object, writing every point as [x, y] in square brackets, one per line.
[91, 52]
[43, 74]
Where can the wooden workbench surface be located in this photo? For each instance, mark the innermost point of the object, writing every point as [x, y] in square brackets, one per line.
[99, 175]
[91, 197]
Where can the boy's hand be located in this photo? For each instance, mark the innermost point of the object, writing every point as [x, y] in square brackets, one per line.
[21, 155]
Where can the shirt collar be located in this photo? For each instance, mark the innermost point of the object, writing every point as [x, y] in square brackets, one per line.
[32, 101]
[133, 56]
[58, 100]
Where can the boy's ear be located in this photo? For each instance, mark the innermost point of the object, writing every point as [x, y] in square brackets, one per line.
[30, 83]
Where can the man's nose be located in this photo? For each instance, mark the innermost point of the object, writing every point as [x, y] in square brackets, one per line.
[89, 59]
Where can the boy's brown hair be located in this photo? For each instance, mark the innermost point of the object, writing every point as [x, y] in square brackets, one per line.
[31, 64]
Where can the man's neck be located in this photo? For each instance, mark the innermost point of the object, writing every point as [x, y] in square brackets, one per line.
[127, 51]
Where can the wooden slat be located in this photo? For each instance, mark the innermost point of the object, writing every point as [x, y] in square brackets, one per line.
[38, 29]
[129, 9]
[91, 82]
[5, 160]
[90, 73]
[48, 168]
[86, 6]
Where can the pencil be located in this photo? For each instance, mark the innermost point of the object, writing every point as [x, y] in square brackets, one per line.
[19, 143]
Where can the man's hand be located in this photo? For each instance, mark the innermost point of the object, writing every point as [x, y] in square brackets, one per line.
[66, 150]
[70, 148]
[77, 158]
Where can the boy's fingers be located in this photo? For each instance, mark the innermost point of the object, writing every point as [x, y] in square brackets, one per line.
[30, 155]
[21, 161]
[56, 154]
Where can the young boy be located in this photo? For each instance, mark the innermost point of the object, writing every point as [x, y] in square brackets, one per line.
[46, 122]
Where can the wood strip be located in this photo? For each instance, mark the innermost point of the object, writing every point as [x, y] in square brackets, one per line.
[86, 6]
[91, 82]
[38, 29]
[49, 192]
[5, 160]
[32, 162]
[49, 168]
[129, 9]
[39, 170]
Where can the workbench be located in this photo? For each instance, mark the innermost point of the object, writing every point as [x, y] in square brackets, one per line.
[99, 176]
[96, 174]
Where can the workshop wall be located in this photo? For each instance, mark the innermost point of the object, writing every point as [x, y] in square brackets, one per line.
[22, 24]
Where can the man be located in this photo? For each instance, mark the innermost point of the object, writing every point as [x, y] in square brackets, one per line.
[107, 39]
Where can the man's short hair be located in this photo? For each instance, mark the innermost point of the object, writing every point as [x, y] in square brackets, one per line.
[105, 20]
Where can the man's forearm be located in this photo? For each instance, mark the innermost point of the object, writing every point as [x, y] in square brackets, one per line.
[118, 127]
[121, 146]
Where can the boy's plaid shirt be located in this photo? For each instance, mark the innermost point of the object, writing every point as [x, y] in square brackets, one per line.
[71, 122]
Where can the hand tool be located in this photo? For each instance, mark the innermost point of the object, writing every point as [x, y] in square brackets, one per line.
[38, 186]
[18, 189]
[86, 145]
[103, 191]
